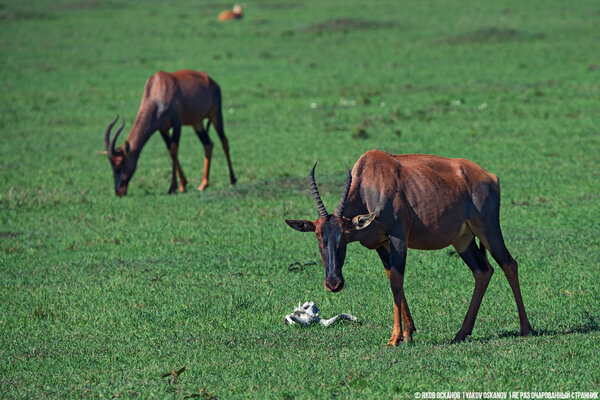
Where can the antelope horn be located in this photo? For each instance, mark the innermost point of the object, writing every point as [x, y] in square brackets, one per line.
[107, 146]
[114, 140]
[315, 193]
[340, 208]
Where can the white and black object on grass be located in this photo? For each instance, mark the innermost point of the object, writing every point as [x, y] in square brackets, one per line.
[308, 313]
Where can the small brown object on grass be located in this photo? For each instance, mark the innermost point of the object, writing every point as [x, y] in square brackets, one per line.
[228, 15]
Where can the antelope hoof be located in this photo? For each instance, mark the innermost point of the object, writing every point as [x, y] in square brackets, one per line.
[203, 186]
[526, 331]
[181, 188]
[394, 341]
[460, 337]
[172, 189]
[233, 180]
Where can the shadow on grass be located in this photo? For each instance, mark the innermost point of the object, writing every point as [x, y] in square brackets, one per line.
[589, 324]
[346, 25]
[490, 35]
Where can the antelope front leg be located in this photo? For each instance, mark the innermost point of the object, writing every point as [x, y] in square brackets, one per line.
[396, 277]
[402, 311]
[173, 149]
[397, 331]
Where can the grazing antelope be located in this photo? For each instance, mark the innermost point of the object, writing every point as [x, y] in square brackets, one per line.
[170, 100]
[235, 13]
[415, 201]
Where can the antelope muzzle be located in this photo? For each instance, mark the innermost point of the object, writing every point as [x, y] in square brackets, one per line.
[334, 284]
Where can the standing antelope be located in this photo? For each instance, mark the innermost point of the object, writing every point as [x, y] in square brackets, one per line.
[170, 100]
[420, 202]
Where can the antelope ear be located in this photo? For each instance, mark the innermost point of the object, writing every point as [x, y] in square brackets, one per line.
[301, 225]
[362, 221]
[126, 148]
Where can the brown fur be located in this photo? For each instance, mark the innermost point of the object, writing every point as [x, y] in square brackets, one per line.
[171, 100]
[422, 202]
[229, 15]
[424, 195]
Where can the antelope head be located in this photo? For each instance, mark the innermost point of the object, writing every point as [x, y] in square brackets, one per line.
[333, 231]
[121, 160]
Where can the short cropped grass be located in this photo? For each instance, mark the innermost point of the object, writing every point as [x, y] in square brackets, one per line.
[181, 296]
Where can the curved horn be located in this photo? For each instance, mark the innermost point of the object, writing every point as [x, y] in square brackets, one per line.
[340, 208]
[109, 149]
[315, 193]
[114, 140]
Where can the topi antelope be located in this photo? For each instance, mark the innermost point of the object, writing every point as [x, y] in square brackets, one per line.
[170, 100]
[227, 15]
[394, 202]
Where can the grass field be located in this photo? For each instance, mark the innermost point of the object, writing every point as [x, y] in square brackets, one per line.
[100, 296]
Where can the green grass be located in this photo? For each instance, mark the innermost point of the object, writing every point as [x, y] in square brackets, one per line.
[100, 296]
